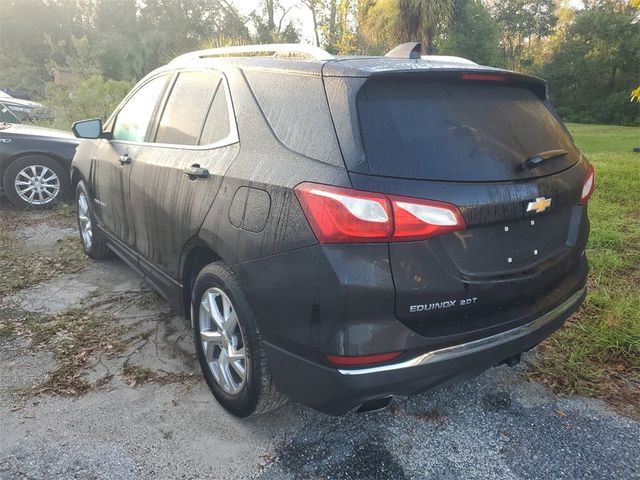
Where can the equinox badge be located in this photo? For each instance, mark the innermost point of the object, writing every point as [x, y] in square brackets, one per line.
[540, 205]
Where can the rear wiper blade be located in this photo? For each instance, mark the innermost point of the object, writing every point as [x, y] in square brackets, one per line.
[535, 160]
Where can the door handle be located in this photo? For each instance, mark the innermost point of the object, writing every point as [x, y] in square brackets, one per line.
[195, 171]
[124, 159]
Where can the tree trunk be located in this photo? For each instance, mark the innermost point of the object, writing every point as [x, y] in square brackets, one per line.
[270, 7]
[315, 24]
[332, 22]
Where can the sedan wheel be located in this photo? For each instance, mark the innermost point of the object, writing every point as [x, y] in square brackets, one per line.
[37, 185]
[222, 341]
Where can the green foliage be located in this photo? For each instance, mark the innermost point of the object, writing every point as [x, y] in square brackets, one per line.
[522, 21]
[118, 39]
[94, 97]
[473, 34]
[390, 22]
[271, 24]
[595, 66]
[589, 56]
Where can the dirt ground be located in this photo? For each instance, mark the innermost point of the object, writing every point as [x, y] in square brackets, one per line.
[98, 380]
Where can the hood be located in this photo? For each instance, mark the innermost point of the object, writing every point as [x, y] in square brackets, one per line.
[20, 103]
[30, 130]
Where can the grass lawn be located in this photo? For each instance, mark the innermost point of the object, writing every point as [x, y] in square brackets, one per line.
[598, 352]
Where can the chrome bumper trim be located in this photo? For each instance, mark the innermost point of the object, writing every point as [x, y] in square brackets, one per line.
[463, 349]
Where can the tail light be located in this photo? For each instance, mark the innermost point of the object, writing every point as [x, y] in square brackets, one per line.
[343, 215]
[416, 219]
[589, 186]
[358, 360]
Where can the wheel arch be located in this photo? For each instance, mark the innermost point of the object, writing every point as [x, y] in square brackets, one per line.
[76, 177]
[56, 158]
[196, 255]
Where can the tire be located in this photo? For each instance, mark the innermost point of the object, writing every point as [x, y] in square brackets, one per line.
[36, 181]
[255, 394]
[93, 241]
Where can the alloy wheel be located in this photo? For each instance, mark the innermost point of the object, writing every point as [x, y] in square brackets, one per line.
[222, 341]
[84, 221]
[37, 184]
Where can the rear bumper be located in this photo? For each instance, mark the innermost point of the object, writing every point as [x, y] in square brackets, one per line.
[338, 391]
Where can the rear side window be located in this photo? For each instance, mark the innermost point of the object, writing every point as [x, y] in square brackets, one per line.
[187, 107]
[459, 132]
[217, 126]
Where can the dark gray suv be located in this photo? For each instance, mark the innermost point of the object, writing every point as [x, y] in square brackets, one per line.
[341, 230]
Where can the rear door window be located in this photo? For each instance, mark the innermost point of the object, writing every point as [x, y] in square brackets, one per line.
[458, 132]
[187, 107]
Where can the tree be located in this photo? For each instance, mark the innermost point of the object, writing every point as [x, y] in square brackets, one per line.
[595, 66]
[390, 22]
[314, 7]
[473, 34]
[119, 39]
[522, 22]
[271, 24]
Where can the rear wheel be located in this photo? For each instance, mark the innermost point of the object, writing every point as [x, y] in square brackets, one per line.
[36, 181]
[93, 241]
[228, 344]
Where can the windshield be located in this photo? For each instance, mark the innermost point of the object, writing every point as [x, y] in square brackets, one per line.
[457, 131]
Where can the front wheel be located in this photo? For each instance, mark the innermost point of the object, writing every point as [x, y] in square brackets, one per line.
[228, 344]
[93, 241]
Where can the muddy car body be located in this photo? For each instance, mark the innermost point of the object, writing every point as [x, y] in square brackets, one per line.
[372, 226]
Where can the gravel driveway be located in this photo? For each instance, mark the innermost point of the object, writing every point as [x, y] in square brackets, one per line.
[147, 414]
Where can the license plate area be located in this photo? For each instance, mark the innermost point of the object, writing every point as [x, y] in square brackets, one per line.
[511, 246]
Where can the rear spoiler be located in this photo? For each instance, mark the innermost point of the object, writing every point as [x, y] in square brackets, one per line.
[471, 75]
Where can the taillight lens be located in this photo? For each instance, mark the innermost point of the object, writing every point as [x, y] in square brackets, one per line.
[343, 215]
[589, 186]
[416, 219]
[358, 360]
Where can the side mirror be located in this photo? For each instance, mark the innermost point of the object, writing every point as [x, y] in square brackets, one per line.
[88, 128]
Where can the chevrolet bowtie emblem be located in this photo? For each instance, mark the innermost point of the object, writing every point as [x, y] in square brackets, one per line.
[540, 205]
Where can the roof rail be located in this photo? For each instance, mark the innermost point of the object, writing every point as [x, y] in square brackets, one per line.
[267, 50]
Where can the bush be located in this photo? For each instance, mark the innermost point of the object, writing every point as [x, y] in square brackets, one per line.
[93, 97]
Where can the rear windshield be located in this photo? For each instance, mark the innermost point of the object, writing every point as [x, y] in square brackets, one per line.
[464, 132]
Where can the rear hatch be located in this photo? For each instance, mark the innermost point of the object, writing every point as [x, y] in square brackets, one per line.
[493, 147]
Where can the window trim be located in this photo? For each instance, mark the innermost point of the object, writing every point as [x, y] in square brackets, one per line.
[230, 139]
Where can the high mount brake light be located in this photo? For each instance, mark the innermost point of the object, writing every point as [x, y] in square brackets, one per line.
[343, 215]
[589, 186]
[483, 77]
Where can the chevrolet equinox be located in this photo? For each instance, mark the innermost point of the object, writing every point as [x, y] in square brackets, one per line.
[340, 230]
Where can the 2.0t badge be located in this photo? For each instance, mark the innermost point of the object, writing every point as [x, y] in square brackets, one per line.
[540, 205]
